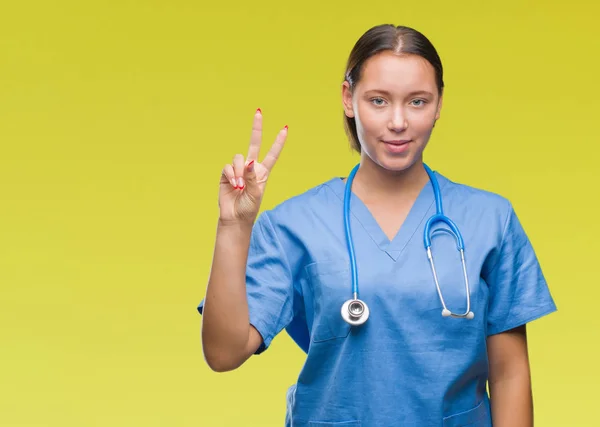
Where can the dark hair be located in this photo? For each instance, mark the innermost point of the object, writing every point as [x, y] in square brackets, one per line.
[387, 37]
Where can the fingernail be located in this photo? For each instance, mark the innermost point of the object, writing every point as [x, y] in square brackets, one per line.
[240, 182]
[233, 183]
[258, 110]
[286, 127]
[251, 166]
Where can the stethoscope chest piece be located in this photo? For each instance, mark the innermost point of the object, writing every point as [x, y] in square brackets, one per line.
[355, 312]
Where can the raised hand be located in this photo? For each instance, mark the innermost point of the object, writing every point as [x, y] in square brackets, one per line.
[243, 181]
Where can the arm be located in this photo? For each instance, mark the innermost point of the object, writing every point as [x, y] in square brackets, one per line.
[228, 339]
[509, 379]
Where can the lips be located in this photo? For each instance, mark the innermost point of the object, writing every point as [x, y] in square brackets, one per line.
[398, 141]
[397, 146]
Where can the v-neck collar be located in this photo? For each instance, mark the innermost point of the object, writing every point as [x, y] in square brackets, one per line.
[424, 204]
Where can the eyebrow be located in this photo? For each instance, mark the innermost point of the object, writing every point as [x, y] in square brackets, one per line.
[413, 93]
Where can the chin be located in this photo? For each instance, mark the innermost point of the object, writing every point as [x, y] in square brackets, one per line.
[396, 164]
[392, 162]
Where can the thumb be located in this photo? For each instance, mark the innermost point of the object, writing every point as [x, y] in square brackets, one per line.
[250, 178]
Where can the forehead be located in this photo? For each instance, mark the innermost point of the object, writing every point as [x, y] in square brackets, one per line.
[397, 73]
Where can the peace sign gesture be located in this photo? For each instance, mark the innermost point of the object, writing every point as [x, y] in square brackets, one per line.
[243, 182]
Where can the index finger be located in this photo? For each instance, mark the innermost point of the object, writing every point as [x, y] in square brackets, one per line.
[255, 138]
[273, 154]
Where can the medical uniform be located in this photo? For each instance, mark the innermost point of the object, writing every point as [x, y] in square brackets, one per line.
[407, 366]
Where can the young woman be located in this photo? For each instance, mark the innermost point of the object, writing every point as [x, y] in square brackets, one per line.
[409, 292]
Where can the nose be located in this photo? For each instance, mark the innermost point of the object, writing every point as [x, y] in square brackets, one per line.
[398, 121]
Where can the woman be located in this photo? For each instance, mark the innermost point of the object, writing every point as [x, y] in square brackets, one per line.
[424, 349]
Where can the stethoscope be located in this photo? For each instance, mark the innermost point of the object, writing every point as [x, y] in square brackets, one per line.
[356, 311]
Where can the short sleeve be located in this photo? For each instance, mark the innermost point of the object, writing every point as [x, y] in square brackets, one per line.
[269, 284]
[518, 290]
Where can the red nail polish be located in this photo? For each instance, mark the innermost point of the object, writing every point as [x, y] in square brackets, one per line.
[285, 127]
[258, 110]
[251, 166]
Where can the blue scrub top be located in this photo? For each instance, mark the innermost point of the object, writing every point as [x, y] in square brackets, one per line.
[407, 365]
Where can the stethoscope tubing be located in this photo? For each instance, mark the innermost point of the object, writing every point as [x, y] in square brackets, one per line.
[355, 311]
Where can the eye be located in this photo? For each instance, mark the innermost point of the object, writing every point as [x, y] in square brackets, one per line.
[419, 102]
[378, 101]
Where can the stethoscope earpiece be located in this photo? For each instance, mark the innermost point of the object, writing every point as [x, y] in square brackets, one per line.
[447, 313]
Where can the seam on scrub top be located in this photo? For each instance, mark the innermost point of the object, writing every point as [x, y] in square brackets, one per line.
[409, 238]
[259, 321]
[442, 185]
[513, 285]
[356, 217]
[261, 327]
[287, 266]
[473, 409]
[502, 243]
[506, 222]
[531, 316]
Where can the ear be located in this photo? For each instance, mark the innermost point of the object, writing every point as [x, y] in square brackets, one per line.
[439, 106]
[347, 99]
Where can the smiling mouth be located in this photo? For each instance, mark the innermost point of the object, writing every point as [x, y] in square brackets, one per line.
[398, 141]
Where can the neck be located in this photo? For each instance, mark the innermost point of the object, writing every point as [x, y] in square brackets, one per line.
[377, 185]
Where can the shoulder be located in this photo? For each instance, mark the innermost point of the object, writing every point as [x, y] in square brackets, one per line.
[481, 209]
[478, 200]
[316, 202]
[301, 223]
[472, 193]
[313, 201]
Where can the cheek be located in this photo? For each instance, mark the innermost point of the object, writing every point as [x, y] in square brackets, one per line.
[370, 122]
[423, 123]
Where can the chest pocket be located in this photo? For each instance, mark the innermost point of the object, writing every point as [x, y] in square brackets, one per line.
[330, 285]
